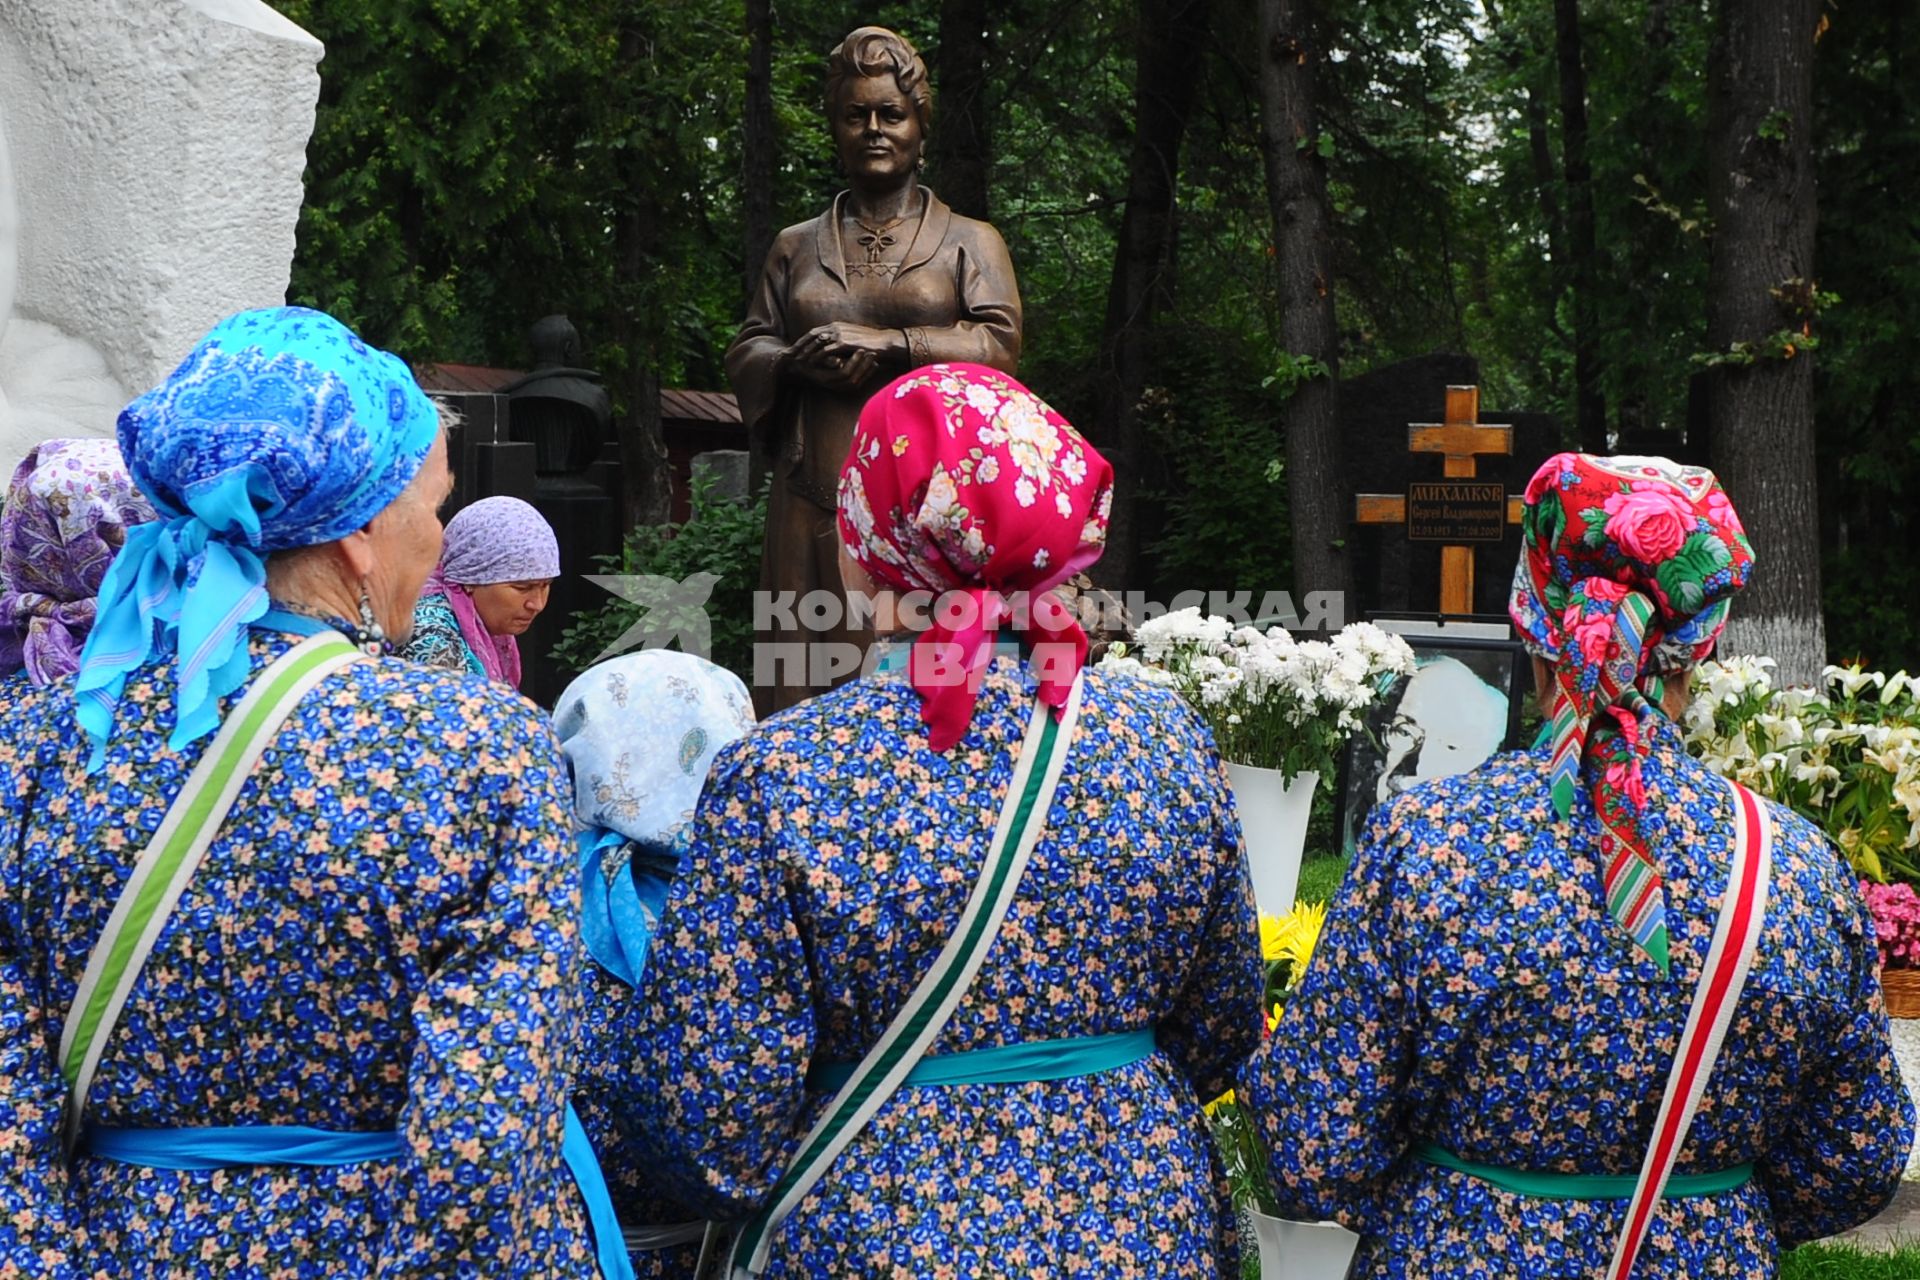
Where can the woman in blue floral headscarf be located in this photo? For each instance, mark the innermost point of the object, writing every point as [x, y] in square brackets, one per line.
[373, 956]
[1470, 1070]
[640, 732]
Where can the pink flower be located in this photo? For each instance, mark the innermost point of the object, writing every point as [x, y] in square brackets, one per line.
[1605, 589]
[1592, 635]
[1895, 909]
[1624, 776]
[1651, 523]
[1549, 472]
[1720, 511]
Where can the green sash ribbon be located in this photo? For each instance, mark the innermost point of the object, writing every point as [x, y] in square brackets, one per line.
[1586, 1186]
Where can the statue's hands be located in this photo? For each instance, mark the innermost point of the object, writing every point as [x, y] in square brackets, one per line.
[839, 357]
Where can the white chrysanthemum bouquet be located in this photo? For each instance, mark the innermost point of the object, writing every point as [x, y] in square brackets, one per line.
[1271, 700]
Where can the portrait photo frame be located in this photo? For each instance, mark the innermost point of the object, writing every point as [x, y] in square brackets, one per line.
[1463, 705]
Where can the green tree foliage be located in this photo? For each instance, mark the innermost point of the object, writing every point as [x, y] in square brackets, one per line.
[479, 163]
[1867, 385]
[466, 174]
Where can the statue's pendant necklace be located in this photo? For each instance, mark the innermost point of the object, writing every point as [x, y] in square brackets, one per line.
[877, 240]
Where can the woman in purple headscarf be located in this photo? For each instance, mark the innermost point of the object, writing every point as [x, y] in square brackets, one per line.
[66, 516]
[500, 559]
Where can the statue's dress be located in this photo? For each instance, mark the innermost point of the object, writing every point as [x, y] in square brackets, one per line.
[954, 296]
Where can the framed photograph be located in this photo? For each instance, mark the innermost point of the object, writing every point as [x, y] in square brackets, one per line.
[1460, 708]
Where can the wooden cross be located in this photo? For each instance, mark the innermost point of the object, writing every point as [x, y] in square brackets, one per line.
[1461, 439]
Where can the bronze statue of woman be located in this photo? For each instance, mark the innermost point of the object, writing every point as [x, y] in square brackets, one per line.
[886, 279]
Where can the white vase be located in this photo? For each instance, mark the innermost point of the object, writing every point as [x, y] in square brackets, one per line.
[1273, 818]
[1302, 1250]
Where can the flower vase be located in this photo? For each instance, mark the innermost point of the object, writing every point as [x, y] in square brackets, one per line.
[1302, 1250]
[1273, 818]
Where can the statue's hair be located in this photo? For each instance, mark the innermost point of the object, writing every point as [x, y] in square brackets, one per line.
[875, 51]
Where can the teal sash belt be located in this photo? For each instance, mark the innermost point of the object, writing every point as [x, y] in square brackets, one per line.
[1026, 1063]
[1586, 1186]
[230, 1146]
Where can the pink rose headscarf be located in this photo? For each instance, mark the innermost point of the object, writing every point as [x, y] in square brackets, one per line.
[1626, 568]
[964, 484]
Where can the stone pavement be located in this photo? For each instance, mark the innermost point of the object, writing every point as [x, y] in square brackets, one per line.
[1898, 1224]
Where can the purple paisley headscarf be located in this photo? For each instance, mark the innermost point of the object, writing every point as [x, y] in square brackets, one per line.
[493, 540]
[66, 517]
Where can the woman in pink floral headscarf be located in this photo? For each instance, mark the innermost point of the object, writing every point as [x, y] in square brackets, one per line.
[1470, 1070]
[836, 845]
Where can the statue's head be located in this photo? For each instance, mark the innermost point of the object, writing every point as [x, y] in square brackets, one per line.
[879, 103]
[555, 342]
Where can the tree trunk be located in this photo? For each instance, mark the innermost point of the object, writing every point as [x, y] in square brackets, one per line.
[1170, 53]
[758, 153]
[963, 132]
[1761, 197]
[646, 485]
[1317, 492]
[1590, 402]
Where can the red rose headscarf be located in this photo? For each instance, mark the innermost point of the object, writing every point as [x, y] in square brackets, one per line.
[964, 484]
[1625, 571]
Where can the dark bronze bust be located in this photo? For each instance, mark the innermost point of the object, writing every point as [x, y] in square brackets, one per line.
[885, 279]
[562, 409]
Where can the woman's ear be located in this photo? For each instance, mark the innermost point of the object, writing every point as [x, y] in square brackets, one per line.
[356, 553]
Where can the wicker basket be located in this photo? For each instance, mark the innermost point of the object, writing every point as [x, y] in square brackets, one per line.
[1903, 992]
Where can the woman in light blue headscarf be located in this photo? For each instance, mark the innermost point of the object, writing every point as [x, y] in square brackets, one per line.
[343, 1049]
[640, 732]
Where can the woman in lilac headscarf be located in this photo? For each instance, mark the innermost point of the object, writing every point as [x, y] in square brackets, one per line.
[492, 581]
[66, 516]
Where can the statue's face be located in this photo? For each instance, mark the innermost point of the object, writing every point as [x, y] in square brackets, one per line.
[876, 130]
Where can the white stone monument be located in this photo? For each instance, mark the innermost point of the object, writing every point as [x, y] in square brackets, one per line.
[151, 154]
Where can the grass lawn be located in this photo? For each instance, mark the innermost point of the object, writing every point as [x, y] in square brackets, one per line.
[1841, 1262]
[1319, 877]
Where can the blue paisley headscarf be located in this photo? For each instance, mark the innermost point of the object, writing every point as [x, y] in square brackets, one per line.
[640, 731]
[280, 430]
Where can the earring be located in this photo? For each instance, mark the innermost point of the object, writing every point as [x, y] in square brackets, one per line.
[373, 635]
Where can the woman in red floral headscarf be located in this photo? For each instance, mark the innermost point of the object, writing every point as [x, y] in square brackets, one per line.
[836, 846]
[1470, 1071]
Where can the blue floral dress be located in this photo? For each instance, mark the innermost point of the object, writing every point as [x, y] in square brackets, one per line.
[1471, 991]
[383, 936]
[833, 850]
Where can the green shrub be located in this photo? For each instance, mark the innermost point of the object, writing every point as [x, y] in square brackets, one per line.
[722, 537]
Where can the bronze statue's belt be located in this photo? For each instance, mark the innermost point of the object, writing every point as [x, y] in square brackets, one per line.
[802, 485]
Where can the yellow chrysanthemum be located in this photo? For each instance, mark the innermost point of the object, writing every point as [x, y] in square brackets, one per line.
[1271, 937]
[1292, 937]
[1224, 1100]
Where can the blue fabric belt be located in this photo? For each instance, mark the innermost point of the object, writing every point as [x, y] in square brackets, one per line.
[224, 1147]
[1026, 1063]
[230, 1146]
